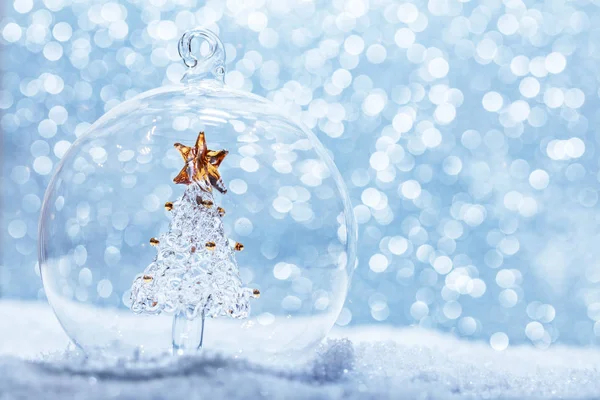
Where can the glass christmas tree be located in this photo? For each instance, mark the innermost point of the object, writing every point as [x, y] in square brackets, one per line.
[194, 274]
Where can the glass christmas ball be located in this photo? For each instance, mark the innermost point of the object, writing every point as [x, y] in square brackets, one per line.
[113, 196]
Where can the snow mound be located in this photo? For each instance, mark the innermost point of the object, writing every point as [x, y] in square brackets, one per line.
[330, 363]
[334, 359]
[372, 362]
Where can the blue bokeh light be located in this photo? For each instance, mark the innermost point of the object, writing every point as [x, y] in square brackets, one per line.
[463, 129]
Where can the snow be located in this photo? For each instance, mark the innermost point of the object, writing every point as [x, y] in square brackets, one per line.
[358, 362]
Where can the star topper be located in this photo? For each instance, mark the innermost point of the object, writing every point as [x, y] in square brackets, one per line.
[201, 165]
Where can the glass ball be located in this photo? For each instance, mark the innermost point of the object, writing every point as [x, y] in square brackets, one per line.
[113, 192]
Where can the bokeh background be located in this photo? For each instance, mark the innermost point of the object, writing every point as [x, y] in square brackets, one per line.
[464, 130]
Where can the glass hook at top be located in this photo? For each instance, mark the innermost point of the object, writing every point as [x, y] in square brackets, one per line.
[207, 66]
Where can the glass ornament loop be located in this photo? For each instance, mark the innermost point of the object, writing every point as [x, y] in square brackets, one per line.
[211, 65]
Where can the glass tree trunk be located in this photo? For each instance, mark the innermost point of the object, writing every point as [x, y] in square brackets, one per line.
[187, 334]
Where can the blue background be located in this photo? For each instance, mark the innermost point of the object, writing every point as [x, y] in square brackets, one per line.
[464, 130]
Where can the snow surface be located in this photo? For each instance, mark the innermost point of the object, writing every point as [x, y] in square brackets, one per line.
[374, 362]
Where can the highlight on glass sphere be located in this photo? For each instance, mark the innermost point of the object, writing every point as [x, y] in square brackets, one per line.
[197, 217]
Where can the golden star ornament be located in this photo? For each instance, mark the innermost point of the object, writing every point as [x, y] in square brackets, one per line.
[201, 165]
